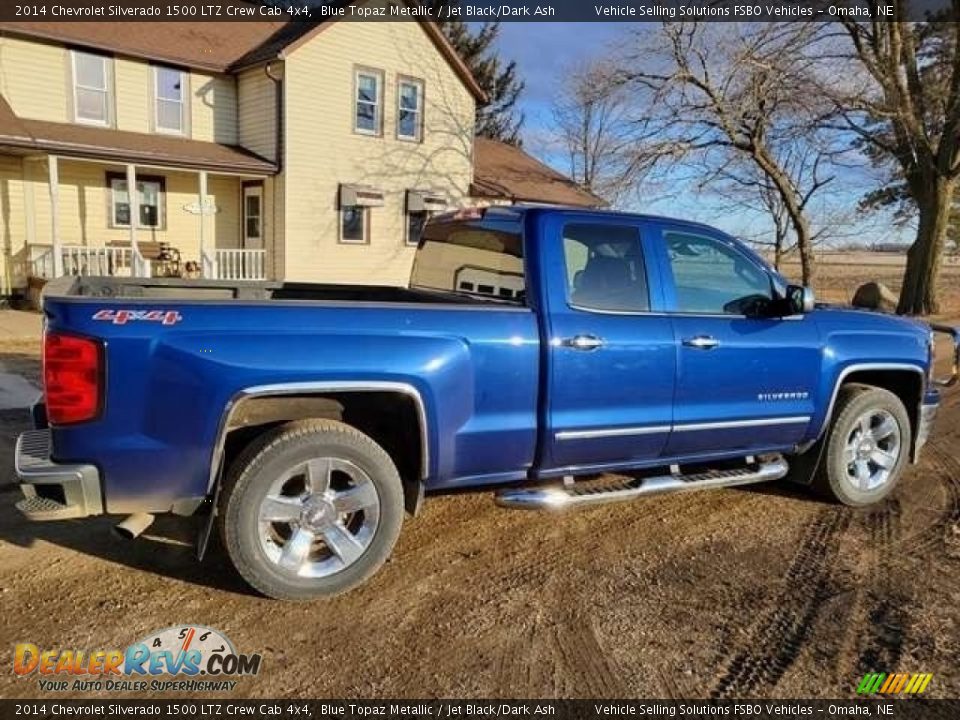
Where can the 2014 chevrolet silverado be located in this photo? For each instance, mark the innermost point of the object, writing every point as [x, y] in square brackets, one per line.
[534, 350]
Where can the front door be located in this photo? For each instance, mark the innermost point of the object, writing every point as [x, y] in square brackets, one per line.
[252, 217]
[611, 361]
[744, 381]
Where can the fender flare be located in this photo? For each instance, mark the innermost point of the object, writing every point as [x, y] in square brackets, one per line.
[305, 388]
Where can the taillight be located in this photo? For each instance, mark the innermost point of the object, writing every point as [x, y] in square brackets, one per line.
[71, 378]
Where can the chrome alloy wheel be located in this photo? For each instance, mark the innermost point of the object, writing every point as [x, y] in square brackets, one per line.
[319, 517]
[872, 450]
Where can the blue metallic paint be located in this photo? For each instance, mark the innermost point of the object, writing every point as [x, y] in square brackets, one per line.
[496, 390]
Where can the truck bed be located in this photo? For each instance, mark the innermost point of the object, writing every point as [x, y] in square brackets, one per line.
[219, 290]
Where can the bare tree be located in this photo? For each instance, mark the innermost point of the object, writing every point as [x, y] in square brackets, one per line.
[905, 107]
[591, 124]
[720, 94]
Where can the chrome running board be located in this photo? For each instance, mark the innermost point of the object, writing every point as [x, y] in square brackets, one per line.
[564, 497]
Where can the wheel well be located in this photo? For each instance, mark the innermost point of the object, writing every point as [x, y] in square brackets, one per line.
[905, 384]
[392, 419]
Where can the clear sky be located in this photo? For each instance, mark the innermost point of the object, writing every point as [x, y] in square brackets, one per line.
[544, 52]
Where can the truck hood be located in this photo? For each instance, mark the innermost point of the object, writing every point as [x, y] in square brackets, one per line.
[864, 319]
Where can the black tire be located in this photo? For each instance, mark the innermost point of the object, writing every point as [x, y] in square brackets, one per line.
[835, 477]
[257, 469]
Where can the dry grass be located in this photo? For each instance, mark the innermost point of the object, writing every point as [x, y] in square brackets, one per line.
[840, 274]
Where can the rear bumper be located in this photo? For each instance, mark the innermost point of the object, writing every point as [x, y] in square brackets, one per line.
[54, 491]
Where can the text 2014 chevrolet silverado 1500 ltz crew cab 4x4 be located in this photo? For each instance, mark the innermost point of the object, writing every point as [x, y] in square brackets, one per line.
[534, 350]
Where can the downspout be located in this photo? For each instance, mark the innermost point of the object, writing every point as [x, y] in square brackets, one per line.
[278, 87]
[278, 149]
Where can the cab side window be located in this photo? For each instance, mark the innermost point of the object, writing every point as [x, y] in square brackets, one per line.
[710, 277]
[605, 269]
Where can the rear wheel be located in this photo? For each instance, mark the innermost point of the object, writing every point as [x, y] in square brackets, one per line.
[310, 509]
[867, 446]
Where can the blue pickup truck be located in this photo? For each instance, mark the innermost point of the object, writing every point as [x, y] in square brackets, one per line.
[558, 357]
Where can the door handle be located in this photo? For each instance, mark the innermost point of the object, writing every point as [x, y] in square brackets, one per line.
[582, 342]
[701, 342]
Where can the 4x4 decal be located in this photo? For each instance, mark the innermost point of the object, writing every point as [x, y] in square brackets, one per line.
[122, 317]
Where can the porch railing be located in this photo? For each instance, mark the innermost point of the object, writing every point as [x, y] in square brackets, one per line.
[218, 264]
[111, 261]
[83, 260]
[224, 264]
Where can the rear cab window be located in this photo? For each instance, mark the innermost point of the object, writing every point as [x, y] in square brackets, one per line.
[473, 254]
[605, 270]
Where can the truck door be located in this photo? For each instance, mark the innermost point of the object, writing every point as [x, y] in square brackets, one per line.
[610, 359]
[744, 381]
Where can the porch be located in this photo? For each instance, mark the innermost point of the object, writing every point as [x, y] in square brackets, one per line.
[176, 223]
[78, 200]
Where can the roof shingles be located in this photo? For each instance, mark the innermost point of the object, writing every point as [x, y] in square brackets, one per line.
[503, 171]
[122, 146]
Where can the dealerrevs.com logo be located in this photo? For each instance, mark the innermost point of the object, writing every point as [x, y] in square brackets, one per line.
[200, 657]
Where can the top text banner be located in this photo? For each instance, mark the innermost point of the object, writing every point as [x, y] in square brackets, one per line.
[313, 11]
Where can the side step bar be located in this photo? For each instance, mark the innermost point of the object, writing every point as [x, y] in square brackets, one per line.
[564, 497]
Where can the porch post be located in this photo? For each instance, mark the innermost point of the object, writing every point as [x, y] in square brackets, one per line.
[203, 216]
[53, 177]
[133, 197]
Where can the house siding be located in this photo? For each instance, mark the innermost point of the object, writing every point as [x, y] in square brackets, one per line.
[257, 117]
[134, 95]
[322, 151]
[13, 224]
[213, 108]
[211, 100]
[22, 63]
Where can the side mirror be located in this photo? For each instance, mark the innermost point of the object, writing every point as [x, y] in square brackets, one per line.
[800, 299]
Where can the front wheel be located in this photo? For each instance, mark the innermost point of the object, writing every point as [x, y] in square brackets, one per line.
[867, 446]
[310, 509]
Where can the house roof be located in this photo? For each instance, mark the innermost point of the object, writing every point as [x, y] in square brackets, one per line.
[214, 46]
[122, 146]
[502, 171]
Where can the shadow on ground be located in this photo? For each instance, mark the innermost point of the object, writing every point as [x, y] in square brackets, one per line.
[166, 549]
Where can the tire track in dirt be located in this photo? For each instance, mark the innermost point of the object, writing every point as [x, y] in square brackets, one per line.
[883, 619]
[778, 637]
[561, 650]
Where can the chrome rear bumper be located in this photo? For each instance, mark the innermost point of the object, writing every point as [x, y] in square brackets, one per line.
[54, 491]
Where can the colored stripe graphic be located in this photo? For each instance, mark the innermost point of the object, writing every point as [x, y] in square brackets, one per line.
[893, 684]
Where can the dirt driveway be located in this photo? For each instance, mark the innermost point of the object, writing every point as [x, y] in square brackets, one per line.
[758, 592]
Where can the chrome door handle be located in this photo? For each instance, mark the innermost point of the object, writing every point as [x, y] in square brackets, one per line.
[701, 342]
[582, 342]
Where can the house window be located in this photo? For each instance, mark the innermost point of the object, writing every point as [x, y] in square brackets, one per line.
[369, 86]
[151, 192]
[354, 224]
[409, 109]
[170, 100]
[415, 223]
[91, 88]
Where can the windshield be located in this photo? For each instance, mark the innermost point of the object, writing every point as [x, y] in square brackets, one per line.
[479, 259]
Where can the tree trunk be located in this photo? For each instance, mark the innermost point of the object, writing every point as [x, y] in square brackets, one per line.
[919, 295]
[778, 253]
[808, 265]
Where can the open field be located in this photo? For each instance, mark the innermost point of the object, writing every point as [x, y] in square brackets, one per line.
[759, 592]
[841, 273]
